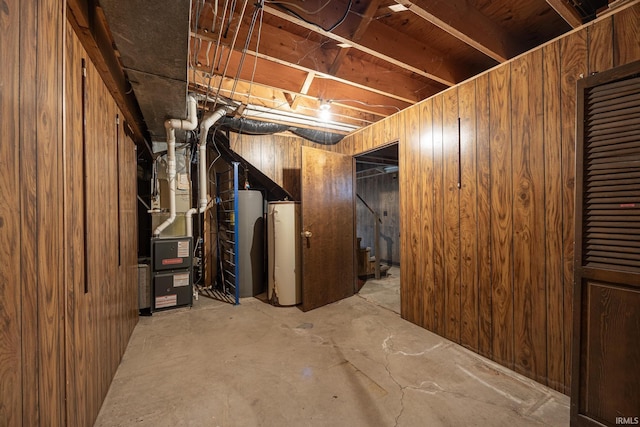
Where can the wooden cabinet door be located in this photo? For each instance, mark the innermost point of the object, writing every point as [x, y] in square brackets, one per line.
[328, 244]
[605, 384]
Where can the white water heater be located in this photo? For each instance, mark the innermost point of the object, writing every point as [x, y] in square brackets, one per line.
[283, 230]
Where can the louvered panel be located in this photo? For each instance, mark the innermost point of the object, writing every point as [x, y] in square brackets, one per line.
[599, 218]
[613, 182]
[618, 172]
[612, 262]
[597, 213]
[592, 248]
[597, 152]
[617, 150]
[614, 189]
[618, 243]
[604, 177]
[612, 126]
[620, 238]
[611, 198]
[612, 94]
[630, 135]
[614, 88]
[613, 104]
[623, 196]
[628, 200]
[611, 230]
[622, 113]
[612, 160]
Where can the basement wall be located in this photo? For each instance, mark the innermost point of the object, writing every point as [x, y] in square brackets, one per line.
[61, 337]
[489, 265]
[382, 195]
[277, 156]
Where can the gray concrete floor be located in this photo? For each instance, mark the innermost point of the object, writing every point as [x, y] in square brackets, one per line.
[351, 363]
[384, 291]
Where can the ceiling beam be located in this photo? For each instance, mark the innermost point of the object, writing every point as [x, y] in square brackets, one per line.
[404, 88]
[443, 74]
[567, 12]
[466, 23]
[365, 20]
[274, 96]
[304, 89]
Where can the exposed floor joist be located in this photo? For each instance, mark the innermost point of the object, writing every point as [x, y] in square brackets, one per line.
[567, 12]
[443, 74]
[460, 20]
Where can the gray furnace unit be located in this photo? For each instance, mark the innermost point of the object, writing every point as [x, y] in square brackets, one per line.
[171, 262]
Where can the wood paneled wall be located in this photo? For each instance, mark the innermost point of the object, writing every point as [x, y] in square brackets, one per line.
[50, 328]
[277, 156]
[381, 193]
[489, 263]
[31, 220]
[101, 300]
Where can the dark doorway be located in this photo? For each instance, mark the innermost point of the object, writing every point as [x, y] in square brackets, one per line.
[378, 226]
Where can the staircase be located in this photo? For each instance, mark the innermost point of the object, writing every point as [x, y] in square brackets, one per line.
[367, 262]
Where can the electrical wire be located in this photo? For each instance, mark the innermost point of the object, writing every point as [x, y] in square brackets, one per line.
[328, 30]
[255, 59]
[365, 103]
[308, 12]
[233, 43]
[233, 7]
[252, 25]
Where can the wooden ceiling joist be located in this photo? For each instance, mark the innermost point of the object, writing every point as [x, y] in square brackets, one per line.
[369, 13]
[443, 74]
[403, 88]
[304, 89]
[466, 23]
[567, 12]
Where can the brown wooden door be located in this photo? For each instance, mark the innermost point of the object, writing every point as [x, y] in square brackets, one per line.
[328, 271]
[605, 383]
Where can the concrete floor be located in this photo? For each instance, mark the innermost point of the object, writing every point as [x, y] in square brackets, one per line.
[351, 363]
[384, 291]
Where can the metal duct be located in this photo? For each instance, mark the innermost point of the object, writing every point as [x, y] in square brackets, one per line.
[252, 127]
[317, 136]
[257, 127]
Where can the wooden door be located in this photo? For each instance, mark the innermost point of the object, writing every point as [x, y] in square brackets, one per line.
[605, 386]
[328, 244]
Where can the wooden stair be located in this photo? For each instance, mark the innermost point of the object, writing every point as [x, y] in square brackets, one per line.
[367, 262]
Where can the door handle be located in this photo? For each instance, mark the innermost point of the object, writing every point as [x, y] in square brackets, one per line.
[306, 234]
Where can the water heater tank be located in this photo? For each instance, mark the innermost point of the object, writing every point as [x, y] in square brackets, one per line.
[283, 225]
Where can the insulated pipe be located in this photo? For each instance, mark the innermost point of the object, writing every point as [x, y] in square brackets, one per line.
[205, 125]
[171, 125]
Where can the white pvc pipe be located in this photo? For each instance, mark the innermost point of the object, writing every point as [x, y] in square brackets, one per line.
[171, 125]
[189, 220]
[205, 125]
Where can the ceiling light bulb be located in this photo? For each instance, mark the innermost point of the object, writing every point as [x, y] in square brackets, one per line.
[325, 106]
[324, 115]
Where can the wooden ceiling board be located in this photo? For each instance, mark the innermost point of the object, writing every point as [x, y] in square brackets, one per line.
[533, 21]
[332, 90]
[289, 79]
